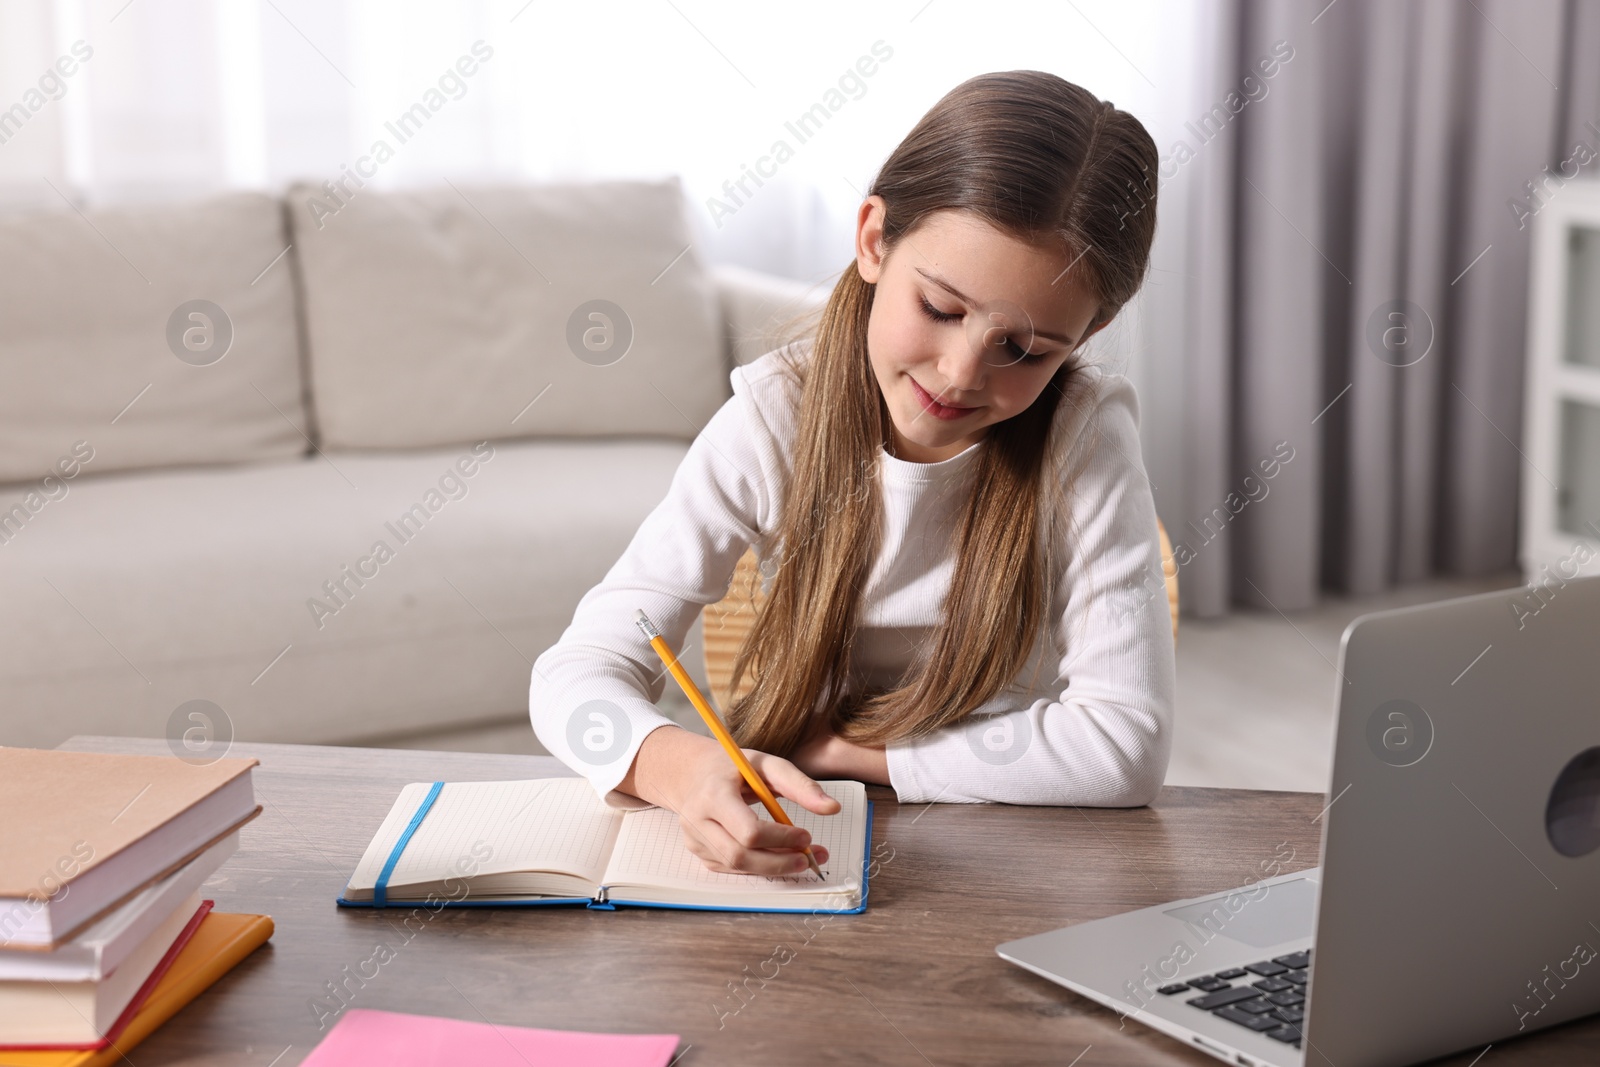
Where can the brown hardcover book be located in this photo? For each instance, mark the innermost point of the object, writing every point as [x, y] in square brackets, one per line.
[82, 831]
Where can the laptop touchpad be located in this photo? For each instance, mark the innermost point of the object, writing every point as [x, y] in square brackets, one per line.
[1259, 916]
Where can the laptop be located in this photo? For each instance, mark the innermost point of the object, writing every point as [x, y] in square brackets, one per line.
[1458, 899]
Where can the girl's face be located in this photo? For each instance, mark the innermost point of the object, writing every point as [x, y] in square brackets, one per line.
[968, 326]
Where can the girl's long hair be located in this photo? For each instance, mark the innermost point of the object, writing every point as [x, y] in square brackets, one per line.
[1049, 163]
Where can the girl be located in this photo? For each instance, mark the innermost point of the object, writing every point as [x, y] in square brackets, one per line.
[953, 520]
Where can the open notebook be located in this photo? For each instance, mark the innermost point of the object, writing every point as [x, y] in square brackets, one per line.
[553, 841]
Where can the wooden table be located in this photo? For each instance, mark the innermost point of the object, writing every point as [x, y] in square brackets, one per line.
[913, 980]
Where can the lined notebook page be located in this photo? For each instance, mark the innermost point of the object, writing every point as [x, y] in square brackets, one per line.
[548, 824]
[650, 849]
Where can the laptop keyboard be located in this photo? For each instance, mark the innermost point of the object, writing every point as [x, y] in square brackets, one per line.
[1268, 997]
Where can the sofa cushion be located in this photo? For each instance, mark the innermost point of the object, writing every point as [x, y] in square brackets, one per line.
[216, 586]
[459, 314]
[763, 311]
[101, 366]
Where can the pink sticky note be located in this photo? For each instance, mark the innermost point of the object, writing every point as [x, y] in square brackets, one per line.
[364, 1038]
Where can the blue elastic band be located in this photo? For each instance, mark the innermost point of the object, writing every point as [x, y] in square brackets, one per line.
[380, 895]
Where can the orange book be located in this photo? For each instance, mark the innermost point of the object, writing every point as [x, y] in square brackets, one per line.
[221, 941]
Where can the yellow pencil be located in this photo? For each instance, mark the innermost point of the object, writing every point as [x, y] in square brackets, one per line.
[719, 731]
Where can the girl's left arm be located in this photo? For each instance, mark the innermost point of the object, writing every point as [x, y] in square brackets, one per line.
[824, 754]
[1096, 727]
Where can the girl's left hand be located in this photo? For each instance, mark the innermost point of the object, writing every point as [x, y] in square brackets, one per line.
[823, 755]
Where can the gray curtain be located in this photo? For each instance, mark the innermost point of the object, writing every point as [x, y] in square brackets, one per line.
[1355, 256]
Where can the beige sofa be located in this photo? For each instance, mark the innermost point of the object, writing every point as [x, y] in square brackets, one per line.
[341, 481]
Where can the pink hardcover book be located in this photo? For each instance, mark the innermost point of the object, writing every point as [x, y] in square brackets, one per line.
[366, 1038]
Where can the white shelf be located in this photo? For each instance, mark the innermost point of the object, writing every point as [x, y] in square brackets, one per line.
[1561, 416]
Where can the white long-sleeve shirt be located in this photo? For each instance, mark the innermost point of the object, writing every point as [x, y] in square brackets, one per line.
[1088, 719]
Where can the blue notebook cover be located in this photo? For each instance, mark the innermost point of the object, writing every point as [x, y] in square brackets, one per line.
[600, 903]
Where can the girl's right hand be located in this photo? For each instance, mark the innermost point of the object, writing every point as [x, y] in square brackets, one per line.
[691, 774]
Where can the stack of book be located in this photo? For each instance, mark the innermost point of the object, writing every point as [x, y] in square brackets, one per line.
[104, 928]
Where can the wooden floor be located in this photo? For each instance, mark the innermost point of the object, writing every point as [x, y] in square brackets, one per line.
[1265, 727]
